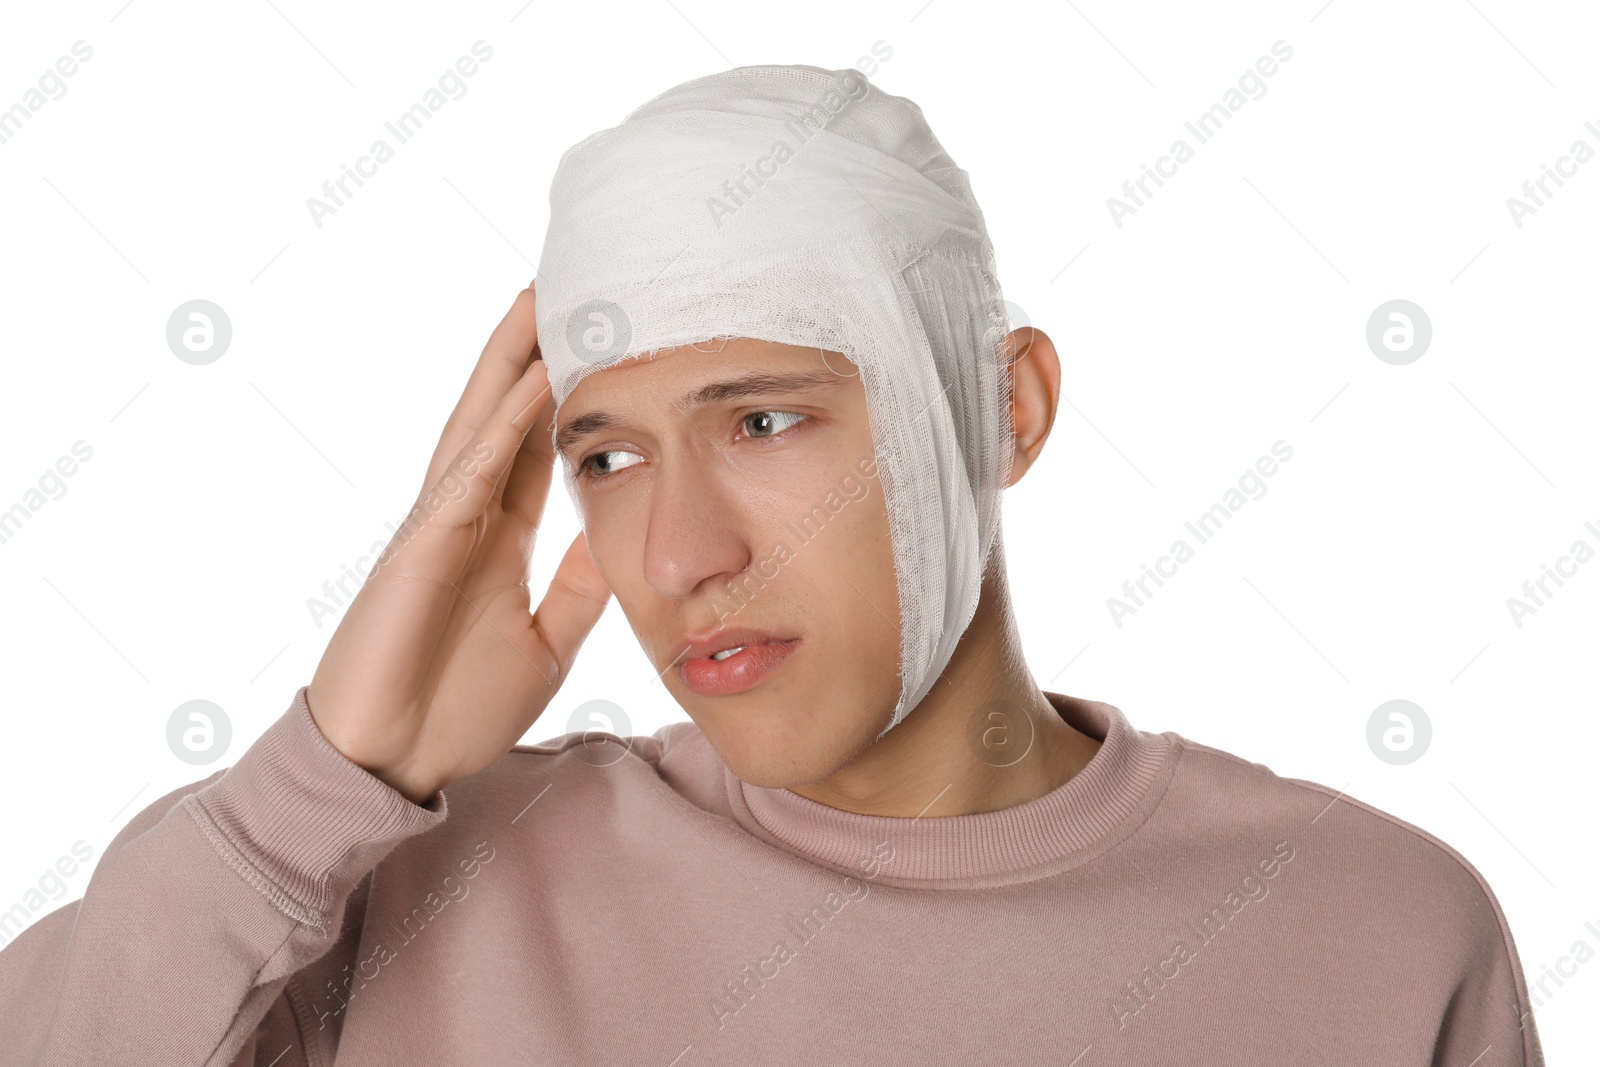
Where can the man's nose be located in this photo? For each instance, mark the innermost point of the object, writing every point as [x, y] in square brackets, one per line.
[695, 525]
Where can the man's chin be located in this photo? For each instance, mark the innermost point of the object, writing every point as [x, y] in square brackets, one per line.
[774, 762]
[785, 760]
[781, 737]
[768, 775]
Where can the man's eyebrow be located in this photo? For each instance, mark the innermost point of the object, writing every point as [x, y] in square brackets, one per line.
[582, 426]
[729, 389]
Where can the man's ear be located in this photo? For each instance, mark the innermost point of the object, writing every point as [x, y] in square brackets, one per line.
[1035, 395]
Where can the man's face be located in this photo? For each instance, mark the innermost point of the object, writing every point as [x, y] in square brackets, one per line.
[732, 498]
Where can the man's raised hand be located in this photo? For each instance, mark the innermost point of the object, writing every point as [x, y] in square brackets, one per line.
[438, 667]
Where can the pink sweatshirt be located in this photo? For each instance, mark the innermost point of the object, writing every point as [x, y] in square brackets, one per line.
[631, 901]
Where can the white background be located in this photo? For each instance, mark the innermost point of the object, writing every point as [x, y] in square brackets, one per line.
[1227, 314]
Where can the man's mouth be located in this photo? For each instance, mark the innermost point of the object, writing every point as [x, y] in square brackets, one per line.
[721, 664]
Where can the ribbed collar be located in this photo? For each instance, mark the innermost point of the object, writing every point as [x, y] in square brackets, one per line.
[1070, 825]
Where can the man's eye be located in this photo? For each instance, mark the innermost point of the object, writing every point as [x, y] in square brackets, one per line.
[601, 463]
[763, 424]
[758, 425]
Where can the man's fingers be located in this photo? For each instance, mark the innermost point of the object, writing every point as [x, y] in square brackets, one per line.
[465, 485]
[503, 361]
[574, 603]
[524, 491]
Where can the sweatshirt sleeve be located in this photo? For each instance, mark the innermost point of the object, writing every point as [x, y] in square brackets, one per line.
[1489, 1020]
[202, 909]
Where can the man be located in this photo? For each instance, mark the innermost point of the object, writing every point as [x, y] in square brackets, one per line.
[786, 442]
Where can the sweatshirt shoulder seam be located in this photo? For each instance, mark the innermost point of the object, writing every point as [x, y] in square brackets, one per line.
[300, 1014]
[300, 913]
[1507, 946]
[1262, 771]
[1418, 832]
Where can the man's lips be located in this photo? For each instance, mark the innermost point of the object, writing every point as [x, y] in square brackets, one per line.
[744, 669]
[760, 652]
[705, 644]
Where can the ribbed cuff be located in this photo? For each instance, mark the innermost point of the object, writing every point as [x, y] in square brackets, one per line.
[305, 818]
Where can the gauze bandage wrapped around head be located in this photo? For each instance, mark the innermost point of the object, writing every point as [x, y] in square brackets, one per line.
[806, 207]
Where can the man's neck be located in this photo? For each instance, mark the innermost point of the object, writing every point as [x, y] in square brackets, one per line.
[984, 738]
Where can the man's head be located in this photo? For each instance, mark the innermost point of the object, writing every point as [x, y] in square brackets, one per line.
[809, 210]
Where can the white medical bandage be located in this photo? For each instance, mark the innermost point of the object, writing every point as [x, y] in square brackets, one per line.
[806, 207]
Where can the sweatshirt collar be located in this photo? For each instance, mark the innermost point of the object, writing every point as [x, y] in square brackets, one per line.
[1078, 820]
